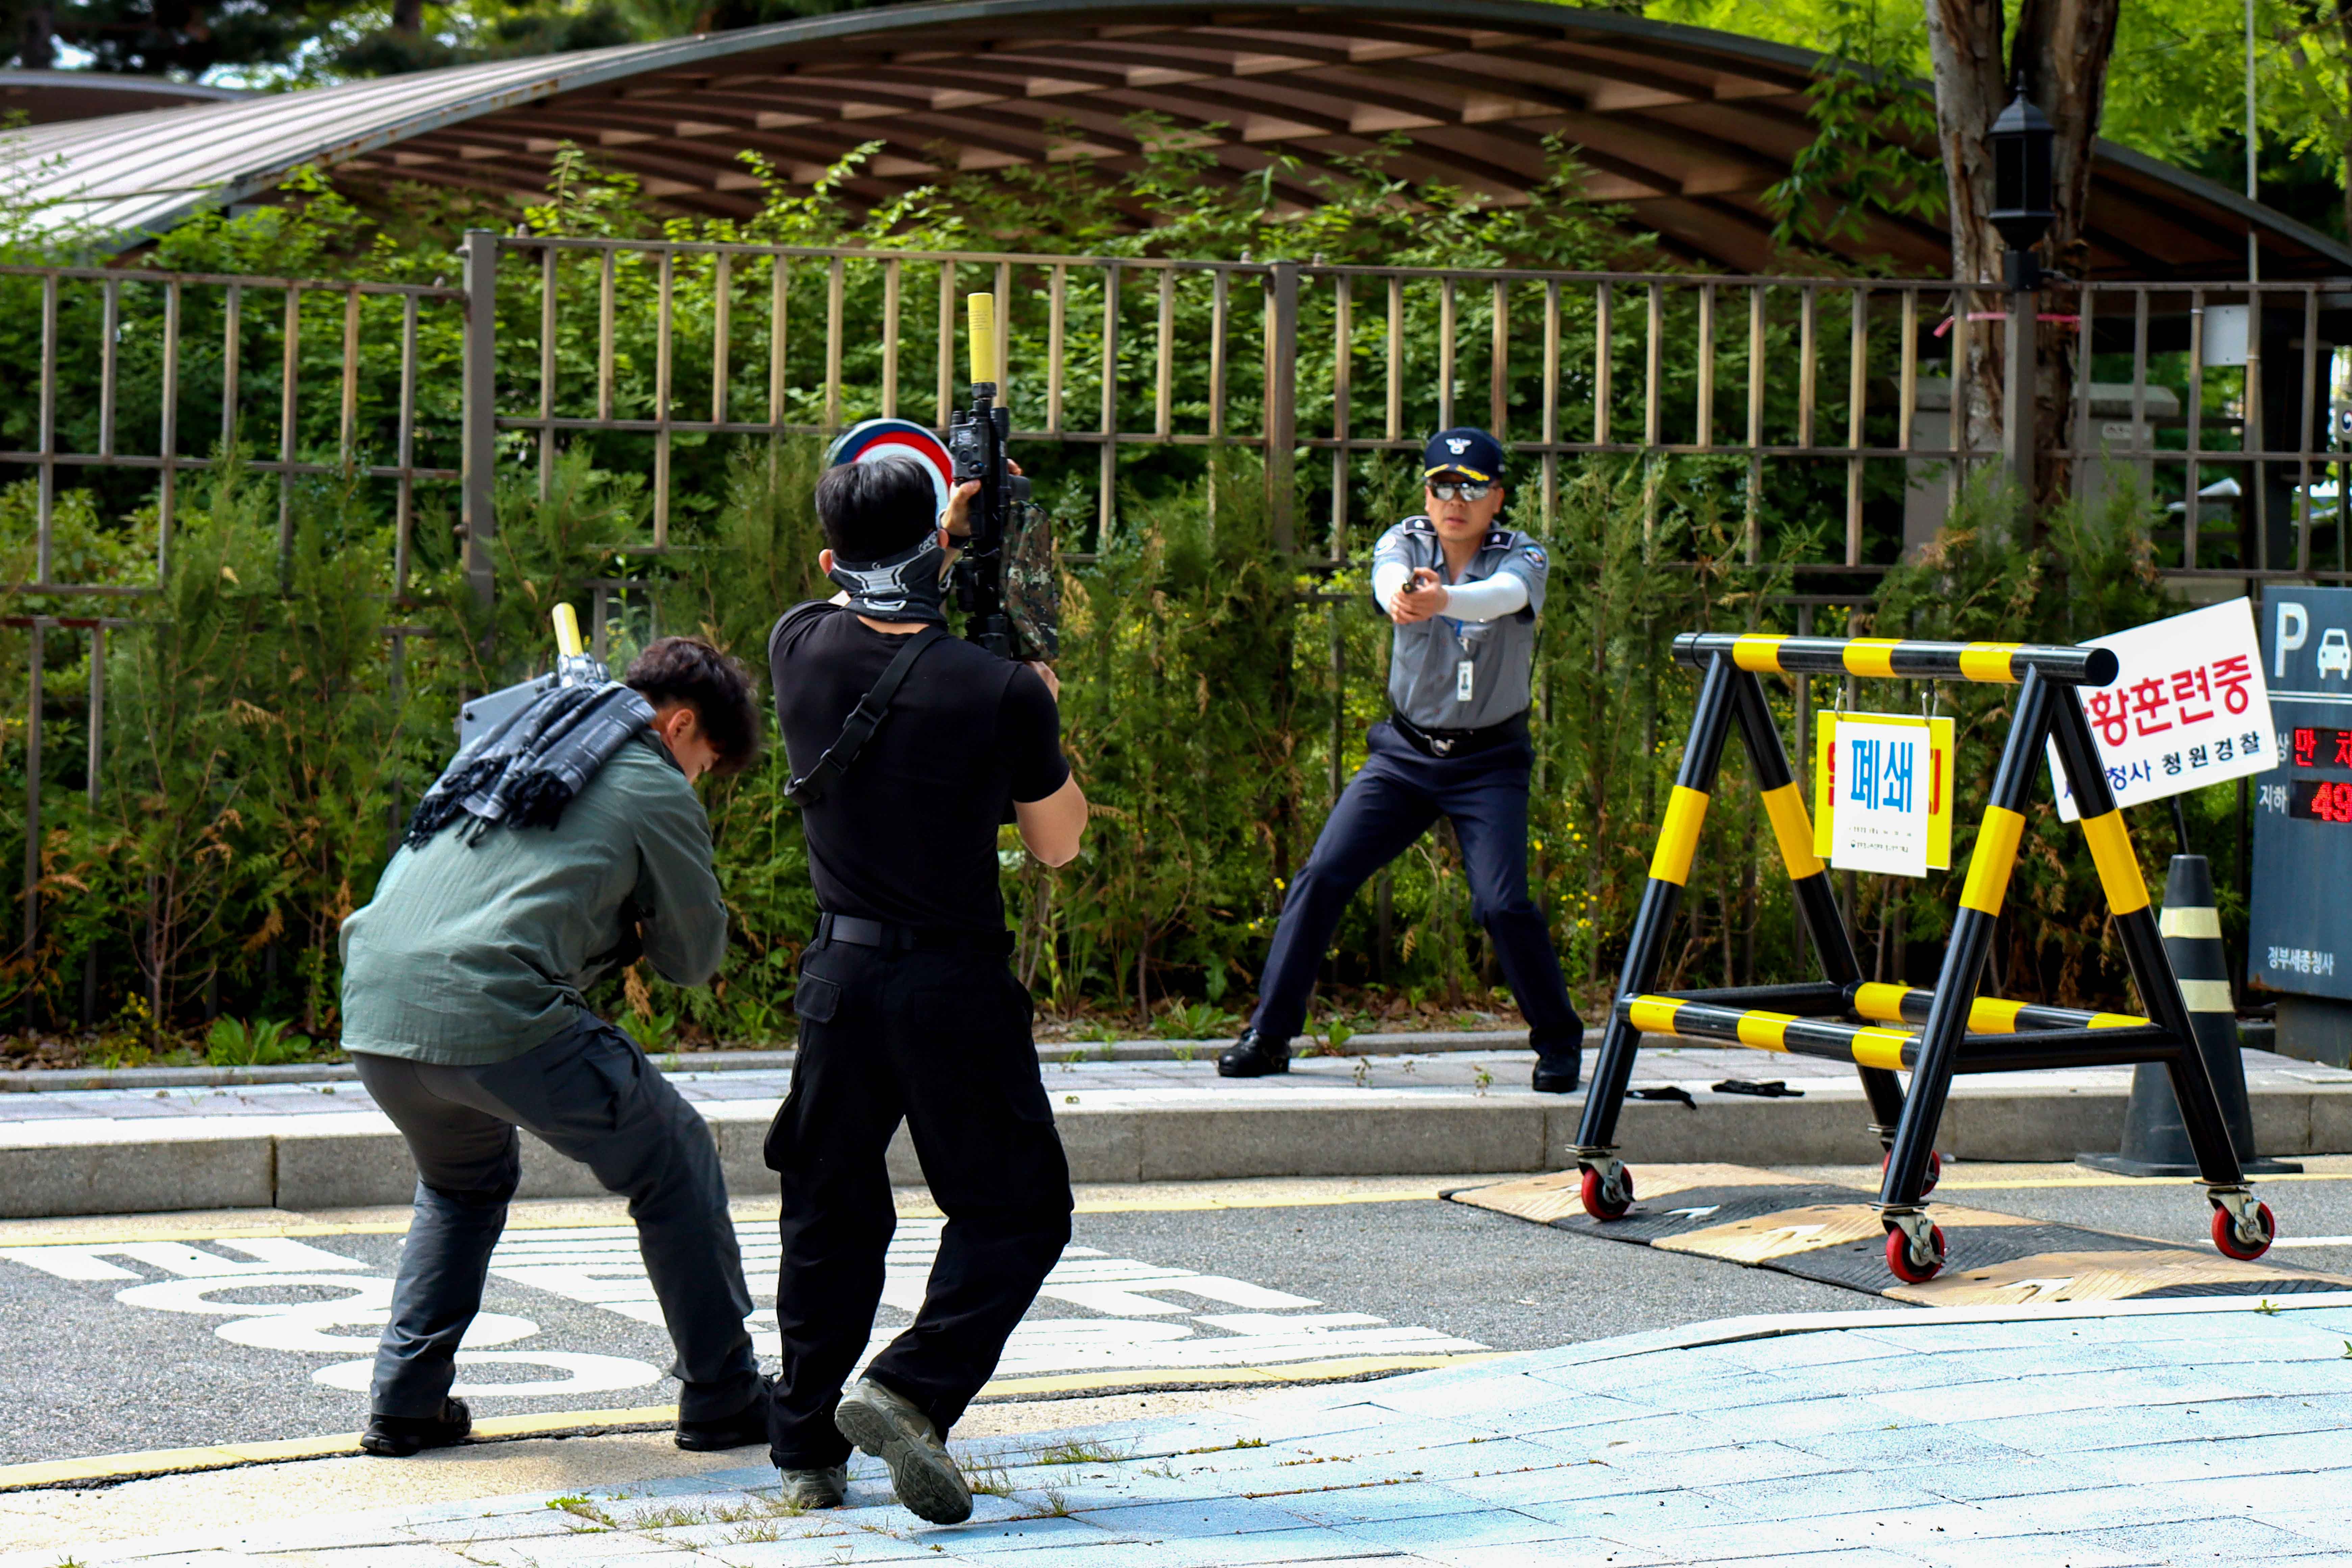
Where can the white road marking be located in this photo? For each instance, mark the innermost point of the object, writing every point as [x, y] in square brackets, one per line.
[583, 1374]
[1102, 1313]
[1140, 1319]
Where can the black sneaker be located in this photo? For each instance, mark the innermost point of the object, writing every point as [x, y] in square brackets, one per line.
[802, 1490]
[887, 1426]
[1253, 1056]
[1559, 1074]
[740, 1430]
[397, 1437]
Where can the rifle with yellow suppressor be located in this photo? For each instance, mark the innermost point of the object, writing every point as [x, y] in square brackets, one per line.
[1007, 582]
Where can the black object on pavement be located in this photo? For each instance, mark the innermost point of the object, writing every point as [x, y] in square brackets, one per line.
[1769, 1089]
[1666, 1091]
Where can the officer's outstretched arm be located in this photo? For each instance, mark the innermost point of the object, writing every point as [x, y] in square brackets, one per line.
[1054, 827]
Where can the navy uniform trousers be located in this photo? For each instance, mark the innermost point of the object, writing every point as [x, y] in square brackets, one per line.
[1396, 797]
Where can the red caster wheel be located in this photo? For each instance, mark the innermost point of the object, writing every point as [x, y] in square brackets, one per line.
[2225, 1235]
[1898, 1257]
[1934, 1168]
[1600, 1203]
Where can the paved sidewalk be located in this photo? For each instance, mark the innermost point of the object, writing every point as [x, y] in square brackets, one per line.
[306, 1146]
[2150, 1434]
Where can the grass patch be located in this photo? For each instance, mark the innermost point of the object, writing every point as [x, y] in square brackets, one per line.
[1080, 1454]
[987, 1476]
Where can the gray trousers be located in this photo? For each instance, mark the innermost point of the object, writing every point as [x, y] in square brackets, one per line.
[590, 1094]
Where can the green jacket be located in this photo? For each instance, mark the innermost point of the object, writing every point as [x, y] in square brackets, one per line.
[475, 952]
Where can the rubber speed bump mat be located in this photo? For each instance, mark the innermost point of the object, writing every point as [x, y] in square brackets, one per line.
[1827, 1234]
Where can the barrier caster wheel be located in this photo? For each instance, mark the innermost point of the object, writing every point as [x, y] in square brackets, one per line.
[1934, 1168]
[1899, 1261]
[1602, 1204]
[2226, 1239]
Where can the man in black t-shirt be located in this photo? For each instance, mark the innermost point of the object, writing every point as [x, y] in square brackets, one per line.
[906, 1008]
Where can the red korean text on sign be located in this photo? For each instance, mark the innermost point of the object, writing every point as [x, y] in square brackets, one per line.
[2109, 712]
[2189, 685]
[2233, 676]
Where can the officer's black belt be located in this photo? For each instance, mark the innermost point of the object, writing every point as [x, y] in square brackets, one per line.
[1512, 730]
[860, 933]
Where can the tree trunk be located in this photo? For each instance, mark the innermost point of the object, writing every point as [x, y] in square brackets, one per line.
[2063, 49]
[2059, 54]
[408, 17]
[36, 43]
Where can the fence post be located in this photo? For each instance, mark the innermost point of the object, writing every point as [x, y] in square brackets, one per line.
[2020, 371]
[479, 404]
[1282, 406]
[33, 662]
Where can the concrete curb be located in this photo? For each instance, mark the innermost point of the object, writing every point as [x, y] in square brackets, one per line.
[1402, 1042]
[351, 1160]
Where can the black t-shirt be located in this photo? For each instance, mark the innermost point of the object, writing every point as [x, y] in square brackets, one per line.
[909, 833]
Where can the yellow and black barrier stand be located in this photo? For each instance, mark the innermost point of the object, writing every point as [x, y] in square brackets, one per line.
[1958, 1031]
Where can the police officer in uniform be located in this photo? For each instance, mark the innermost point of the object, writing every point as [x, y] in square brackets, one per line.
[1465, 594]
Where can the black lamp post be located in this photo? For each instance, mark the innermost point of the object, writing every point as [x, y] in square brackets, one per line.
[2021, 183]
[2021, 211]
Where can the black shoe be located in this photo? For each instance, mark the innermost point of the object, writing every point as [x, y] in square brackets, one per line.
[1560, 1075]
[397, 1437]
[740, 1430]
[1252, 1055]
[887, 1424]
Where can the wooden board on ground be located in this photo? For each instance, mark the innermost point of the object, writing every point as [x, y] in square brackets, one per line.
[1767, 1220]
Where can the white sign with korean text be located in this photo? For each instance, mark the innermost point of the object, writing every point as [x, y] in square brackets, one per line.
[1883, 783]
[2188, 708]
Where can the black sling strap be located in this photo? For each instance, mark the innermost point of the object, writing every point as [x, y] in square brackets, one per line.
[864, 720]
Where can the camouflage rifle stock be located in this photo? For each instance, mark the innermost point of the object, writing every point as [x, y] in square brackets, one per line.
[1006, 581]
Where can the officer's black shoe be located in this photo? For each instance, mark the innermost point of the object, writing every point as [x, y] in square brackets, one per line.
[1560, 1075]
[397, 1437]
[1252, 1055]
[740, 1430]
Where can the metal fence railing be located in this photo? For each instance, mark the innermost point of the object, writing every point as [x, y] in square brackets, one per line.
[1810, 405]
[1826, 417]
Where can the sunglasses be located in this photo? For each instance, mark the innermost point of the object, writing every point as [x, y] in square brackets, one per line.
[1459, 489]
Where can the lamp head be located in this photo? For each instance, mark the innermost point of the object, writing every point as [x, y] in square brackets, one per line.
[2021, 179]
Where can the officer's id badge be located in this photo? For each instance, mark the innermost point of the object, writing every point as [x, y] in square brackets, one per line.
[1466, 675]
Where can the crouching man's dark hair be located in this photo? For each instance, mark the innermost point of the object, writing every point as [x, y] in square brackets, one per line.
[718, 690]
[873, 510]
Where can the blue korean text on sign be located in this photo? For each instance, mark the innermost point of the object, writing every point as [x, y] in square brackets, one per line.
[1883, 821]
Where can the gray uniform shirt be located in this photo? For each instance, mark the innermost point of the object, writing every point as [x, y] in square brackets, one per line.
[1428, 682]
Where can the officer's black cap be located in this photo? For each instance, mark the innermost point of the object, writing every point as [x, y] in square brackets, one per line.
[1466, 450]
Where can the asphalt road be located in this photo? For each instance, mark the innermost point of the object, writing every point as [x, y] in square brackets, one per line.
[118, 1348]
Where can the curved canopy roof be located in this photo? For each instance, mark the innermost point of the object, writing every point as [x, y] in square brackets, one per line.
[44, 97]
[1685, 127]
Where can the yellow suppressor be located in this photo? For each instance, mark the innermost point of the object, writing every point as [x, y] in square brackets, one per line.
[980, 319]
[567, 632]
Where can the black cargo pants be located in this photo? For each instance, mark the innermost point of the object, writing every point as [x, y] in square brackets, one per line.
[939, 1036]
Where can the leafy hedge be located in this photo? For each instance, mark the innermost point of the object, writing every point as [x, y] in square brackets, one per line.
[270, 713]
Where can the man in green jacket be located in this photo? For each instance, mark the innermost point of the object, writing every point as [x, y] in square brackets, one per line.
[564, 845]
